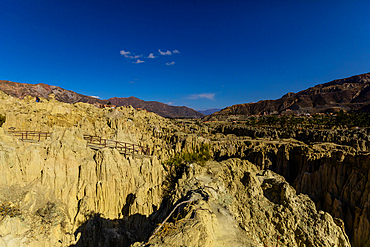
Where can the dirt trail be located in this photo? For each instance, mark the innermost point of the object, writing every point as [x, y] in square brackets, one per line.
[227, 232]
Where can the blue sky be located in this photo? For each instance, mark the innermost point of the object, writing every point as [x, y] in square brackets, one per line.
[207, 54]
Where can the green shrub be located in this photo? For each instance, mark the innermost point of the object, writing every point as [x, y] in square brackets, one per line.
[176, 165]
[200, 155]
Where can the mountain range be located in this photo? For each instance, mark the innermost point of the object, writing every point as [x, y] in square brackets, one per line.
[349, 94]
[161, 109]
[20, 90]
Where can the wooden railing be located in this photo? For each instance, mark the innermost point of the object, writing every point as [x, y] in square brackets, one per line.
[121, 146]
[31, 135]
[127, 148]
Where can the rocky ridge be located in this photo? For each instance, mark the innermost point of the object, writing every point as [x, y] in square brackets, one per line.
[233, 203]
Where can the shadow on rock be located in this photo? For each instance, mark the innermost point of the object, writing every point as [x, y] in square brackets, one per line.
[99, 231]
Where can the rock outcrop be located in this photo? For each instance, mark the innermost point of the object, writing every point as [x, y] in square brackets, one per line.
[233, 203]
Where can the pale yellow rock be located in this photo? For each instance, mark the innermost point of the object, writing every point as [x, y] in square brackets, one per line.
[78, 180]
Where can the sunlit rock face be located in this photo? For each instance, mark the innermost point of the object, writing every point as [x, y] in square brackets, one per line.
[58, 184]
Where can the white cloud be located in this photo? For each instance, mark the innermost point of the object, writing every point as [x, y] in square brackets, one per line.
[96, 97]
[133, 57]
[170, 103]
[175, 51]
[151, 55]
[210, 96]
[124, 53]
[165, 53]
[139, 61]
[171, 63]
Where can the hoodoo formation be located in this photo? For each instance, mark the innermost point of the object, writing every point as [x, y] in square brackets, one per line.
[201, 184]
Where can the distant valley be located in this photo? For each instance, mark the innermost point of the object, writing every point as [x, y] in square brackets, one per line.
[209, 111]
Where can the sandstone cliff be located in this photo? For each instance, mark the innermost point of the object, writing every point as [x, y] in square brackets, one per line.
[58, 184]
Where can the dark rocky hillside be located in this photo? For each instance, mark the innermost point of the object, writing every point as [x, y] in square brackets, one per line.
[20, 90]
[161, 109]
[347, 94]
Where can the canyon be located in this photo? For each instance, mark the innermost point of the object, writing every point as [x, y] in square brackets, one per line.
[257, 187]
